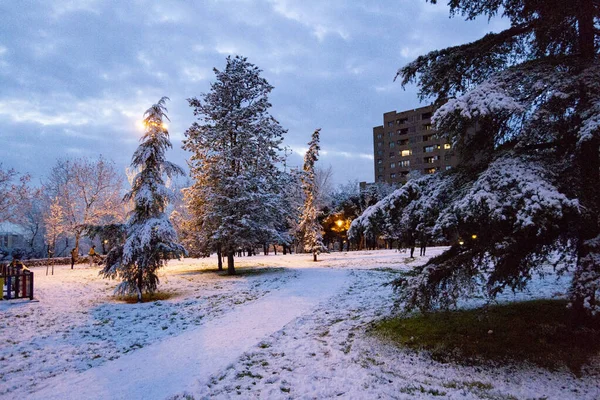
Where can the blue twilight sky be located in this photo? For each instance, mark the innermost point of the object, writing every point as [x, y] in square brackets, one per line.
[77, 75]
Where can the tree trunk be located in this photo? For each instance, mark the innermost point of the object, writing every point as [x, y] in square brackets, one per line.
[589, 165]
[314, 256]
[77, 236]
[230, 265]
[140, 282]
[588, 162]
[585, 22]
[219, 258]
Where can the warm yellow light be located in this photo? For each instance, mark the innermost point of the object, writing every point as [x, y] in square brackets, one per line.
[473, 237]
[339, 223]
[461, 242]
[143, 125]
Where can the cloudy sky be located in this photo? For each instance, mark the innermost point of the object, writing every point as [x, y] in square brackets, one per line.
[77, 75]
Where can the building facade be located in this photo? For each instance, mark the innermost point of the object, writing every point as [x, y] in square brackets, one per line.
[406, 142]
[12, 236]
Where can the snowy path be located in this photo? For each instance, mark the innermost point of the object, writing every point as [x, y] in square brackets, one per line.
[186, 362]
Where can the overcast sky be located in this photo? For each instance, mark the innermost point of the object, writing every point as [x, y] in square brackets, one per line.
[77, 75]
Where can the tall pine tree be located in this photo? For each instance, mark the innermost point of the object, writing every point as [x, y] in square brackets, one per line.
[235, 201]
[523, 113]
[150, 238]
[310, 227]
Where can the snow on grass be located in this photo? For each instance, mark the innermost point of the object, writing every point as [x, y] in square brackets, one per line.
[78, 324]
[328, 352]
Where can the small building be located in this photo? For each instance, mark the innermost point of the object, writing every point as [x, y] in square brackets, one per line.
[12, 236]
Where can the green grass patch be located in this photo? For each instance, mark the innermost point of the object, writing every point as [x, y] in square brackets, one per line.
[539, 332]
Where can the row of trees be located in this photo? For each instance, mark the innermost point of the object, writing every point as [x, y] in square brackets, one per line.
[76, 194]
[241, 195]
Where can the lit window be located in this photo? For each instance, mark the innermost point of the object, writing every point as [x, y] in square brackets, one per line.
[430, 170]
[429, 160]
[448, 167]
[393, 165]
[379, 161]
[393, 176]
[405, 153]
[405, 163]
[428, 149]
[427, 127]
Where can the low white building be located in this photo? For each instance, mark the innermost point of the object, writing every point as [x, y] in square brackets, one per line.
[12, 236]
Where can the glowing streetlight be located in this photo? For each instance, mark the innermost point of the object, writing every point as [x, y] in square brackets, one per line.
[461, 242]
[473, 237]
[339, 223]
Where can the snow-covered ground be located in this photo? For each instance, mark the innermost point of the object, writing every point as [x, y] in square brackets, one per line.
[284, 328]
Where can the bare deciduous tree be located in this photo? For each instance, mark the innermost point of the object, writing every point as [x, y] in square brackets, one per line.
[88, 192]
[13, 189]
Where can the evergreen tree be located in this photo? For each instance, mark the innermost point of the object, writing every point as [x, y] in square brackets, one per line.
[523, 113]
[150, 238]
[235, 201]
[309, 223]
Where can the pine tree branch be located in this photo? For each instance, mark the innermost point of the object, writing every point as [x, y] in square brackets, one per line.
[449, 71]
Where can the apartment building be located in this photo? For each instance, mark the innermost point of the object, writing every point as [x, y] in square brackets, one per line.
[406, 142]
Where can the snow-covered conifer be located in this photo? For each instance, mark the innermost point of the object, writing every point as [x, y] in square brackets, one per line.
[309, 223]
[151, 240]
[522, 109]
[235, 201]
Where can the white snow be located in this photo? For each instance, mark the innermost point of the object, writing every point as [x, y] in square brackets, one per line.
[287, 328]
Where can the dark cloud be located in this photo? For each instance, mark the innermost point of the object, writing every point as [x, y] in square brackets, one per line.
[75, 76]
